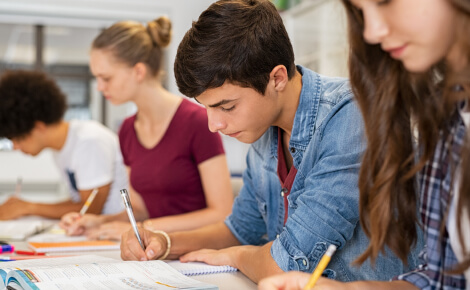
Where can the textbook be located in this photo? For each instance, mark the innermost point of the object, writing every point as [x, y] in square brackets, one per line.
[94, 272]
[50, 247]
[198, 268]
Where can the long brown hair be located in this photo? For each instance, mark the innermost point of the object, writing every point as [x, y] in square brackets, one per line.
[132, 42]
[395, 103]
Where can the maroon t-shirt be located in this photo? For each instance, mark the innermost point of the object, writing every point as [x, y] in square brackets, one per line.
[166, 176]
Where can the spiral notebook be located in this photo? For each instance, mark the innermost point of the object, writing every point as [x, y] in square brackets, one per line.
[197, 268]
[74, 246]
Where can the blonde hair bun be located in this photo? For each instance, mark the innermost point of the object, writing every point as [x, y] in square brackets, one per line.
[160, 31]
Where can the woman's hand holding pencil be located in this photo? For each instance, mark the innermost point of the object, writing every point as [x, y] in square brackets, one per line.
[75, 224]
[299, 280]
[320, 267]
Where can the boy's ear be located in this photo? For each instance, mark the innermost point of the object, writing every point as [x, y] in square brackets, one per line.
[140, 70]
[40, 126]
[279, 77]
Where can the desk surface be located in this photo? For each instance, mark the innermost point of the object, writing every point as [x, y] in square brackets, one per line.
[225, 281]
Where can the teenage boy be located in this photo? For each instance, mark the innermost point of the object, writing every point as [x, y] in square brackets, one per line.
[86, 153]
[300, 187]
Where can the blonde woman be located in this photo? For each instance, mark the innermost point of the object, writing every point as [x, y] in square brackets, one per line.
[179, 179]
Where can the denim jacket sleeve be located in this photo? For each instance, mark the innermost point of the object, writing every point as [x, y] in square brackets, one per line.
[248, 219]
[324, 208]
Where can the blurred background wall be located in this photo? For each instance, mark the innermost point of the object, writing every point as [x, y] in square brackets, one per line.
[55, 36]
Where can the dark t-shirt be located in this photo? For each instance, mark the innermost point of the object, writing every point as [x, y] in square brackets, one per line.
[166, 176]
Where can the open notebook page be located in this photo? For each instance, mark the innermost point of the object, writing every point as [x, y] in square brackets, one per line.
[95, 272]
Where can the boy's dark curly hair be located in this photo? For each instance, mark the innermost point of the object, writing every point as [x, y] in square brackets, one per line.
[27, 97]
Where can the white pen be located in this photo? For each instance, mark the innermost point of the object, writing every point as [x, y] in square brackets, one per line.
[128, 205]
[89, 200]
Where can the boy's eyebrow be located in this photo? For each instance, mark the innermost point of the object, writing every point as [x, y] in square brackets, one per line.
[223, 102]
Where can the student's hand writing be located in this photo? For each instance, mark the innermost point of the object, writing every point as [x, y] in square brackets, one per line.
[109, 231]
[68, 219]
[75, 225]
[297, 280]
[285, 281]
[155, 245]
[13, 208]
[213, 257]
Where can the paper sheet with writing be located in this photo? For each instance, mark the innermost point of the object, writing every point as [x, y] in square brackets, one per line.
[95, 272]
[55, 234]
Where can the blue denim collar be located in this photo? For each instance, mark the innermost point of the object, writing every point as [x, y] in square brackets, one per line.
[305, 116]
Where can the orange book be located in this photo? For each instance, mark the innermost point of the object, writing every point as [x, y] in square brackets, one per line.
[74, 246]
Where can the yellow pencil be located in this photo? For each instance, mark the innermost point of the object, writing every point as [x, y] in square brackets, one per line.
[320, 267]
[89, 200]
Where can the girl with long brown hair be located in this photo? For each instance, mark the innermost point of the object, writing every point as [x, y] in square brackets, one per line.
[410, 73]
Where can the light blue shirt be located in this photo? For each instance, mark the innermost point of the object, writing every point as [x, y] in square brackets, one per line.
[327, 142]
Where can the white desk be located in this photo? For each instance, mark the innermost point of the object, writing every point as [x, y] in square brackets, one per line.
[225, 281]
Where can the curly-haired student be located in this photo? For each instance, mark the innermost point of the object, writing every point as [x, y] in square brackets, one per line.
[86, 153]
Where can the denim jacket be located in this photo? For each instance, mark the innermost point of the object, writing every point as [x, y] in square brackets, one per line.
[326, 144]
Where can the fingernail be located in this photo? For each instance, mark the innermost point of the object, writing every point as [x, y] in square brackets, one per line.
[150, 254]
[143, 259]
